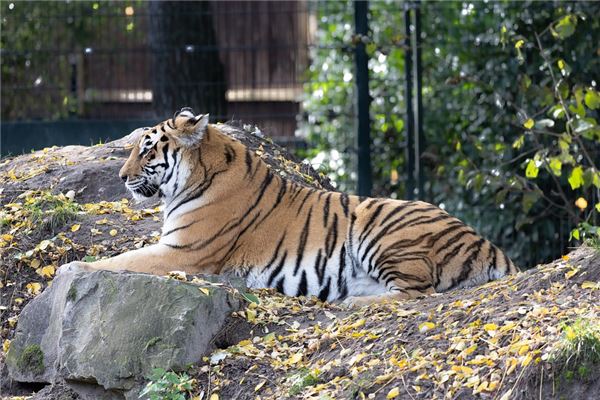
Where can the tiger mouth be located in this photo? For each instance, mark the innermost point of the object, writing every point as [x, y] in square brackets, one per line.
[143, 189]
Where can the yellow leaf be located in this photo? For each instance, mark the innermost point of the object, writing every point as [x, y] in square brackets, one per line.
[6, 237]
[47, 271]
[519, 44]
[571, 273]
[214, 396]
[44, 244]
[527, 360]
[581, 203]
[463, 369]
[523, 349]
[113, 232]
[35, 264]
[245, 342]
[251, 314]
[383, 378]
[33, 287]
[392, 394]
[205, 291]
[512, 364]
[565, 258]
[5, 345]
[590, 285]
[470, 349]
[295, 359]
[529, 123]
[75, 227]
[260, 385]
[426, 326]
[491, 329]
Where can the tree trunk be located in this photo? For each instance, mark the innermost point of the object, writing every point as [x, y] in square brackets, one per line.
[187, 71]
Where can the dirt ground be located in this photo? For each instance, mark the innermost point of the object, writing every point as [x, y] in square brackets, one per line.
[497, 341]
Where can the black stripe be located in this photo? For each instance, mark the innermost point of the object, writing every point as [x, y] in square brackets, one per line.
[280, 285]
[324, 293]
[275, 254]
[467, 266]
[277, 270]
[178, 228]
[341, 283]
[331, 239]
[317, 266]
[326, 209]
[302, 243]
[248, 162]
[303, 287]
[449, 256]
[308, 193]
[453, 240]
[369, 226]
[344, 201]
[280, 195]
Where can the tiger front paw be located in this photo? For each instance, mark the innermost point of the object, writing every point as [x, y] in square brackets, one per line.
[75, 266]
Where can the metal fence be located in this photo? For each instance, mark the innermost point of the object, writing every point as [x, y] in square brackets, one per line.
[121, 63]
[84, 72]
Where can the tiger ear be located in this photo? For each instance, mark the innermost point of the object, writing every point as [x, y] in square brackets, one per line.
[191, 129]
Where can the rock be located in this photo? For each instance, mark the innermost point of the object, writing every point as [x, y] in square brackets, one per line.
[111, 329]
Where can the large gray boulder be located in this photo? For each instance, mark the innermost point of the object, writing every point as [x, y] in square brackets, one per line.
[111, 329]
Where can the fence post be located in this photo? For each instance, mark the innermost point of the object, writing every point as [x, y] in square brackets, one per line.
[410, 117]
[362, 87]
[419, 145]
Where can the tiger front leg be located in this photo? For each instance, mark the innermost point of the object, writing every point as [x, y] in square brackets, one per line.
[157, 259]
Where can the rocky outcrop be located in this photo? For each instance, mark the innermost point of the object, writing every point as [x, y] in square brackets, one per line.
[111, 329]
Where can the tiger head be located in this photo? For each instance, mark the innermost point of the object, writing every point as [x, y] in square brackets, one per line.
[158, 150]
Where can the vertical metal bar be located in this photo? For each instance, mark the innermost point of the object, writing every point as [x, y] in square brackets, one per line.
[362, 88]
[420, 140]
[408, 99]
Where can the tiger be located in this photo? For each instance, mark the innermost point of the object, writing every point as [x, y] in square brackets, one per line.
[226, 212]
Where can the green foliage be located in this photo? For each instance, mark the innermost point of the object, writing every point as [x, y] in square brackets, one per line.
[510, 113]
[167, 385]
[578, 351]
[304, 378]
[50, 212]
[59, 48]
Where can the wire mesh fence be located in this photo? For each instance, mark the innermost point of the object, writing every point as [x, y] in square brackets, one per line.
[139, 60]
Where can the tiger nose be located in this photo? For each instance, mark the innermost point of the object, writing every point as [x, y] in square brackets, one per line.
[123, 177]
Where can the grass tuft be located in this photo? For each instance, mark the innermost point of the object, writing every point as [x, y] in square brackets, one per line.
[578, 351]
[49, 212]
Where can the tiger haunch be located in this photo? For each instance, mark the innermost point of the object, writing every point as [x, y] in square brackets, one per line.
[226, 212]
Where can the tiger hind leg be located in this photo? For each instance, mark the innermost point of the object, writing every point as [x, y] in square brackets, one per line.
[409, 279]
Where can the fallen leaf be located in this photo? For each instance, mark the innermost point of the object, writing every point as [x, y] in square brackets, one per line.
[75, 227]
[392, 394]
[590, 285]
[426, 326]
[205, 291]
[47, 271]
[113, 232]
[33, 288]
[260, 385]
